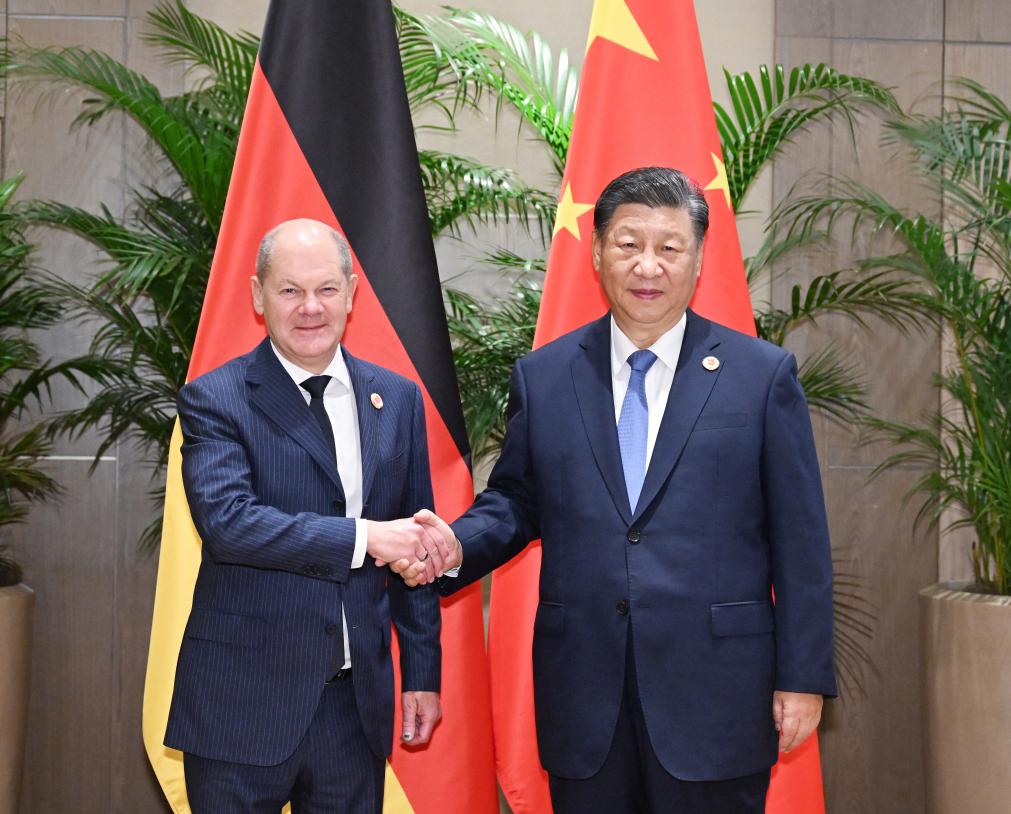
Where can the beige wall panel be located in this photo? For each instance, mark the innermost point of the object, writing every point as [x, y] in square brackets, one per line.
[892, 19]
[71, 707]
[132, 783]
[69, 8]
[871, 756]
[803, 18]
[987, 64]
[977, 21]
[897, 367]
[83, 167]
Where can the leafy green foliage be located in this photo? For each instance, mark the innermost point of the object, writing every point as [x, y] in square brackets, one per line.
[24, 377]
[963, 262]
[769, 113]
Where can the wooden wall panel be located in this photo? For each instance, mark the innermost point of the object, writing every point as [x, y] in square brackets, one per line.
[68, 760]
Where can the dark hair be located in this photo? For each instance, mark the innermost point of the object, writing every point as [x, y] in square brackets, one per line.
[264, 255]
[654, 187]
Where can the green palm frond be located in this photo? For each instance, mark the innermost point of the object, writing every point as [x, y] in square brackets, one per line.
[489, 54]
[769, 113]
[462, 192]
[895, 300]
[198, 43]
[487, 341]
[185, 135]
[834, 385]
[428, 77]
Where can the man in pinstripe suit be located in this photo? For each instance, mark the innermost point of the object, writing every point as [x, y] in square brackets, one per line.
[294, 455]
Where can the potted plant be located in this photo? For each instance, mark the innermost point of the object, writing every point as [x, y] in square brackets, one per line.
[24, 304]
[963, 260]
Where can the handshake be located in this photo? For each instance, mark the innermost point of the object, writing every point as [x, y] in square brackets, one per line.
[419, 548]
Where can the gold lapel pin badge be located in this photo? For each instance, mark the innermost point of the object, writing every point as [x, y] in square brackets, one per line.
[710, 363]
[377, 401]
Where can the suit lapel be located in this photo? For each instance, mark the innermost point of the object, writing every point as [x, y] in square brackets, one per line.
[591, 375]
[274, 393]
[688, 395]
[368, 420]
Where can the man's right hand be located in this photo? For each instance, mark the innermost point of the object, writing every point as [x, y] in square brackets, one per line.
[446, 552]
[406, 541]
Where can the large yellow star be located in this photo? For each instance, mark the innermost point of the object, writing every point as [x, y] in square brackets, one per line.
[720, 181]
[613, 21]
[568, 213]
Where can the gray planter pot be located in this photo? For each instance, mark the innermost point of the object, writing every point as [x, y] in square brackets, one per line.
[17, 605]
[966, 700]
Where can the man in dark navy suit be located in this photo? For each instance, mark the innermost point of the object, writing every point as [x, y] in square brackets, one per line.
[667, 464]
[293, 456]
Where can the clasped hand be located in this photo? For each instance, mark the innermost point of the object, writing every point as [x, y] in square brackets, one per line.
[420, 548]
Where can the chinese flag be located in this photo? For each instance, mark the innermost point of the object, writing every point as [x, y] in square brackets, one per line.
[327, 135]
[643, 100]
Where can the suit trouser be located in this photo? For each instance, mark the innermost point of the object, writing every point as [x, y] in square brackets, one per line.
[332, 771]
[632, 780]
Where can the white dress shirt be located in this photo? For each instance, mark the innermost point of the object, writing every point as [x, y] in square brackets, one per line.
[339, 403]
[658, 378]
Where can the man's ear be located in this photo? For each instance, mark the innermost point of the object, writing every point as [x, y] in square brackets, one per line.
[257, 290]
[596, 248]
[352, 288]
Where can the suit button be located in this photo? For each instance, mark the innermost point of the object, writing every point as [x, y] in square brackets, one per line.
[338, 505]
[634, 536]
[622, 607]
[331, 629]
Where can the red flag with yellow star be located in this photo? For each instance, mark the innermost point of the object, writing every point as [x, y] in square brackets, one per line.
[644, 100]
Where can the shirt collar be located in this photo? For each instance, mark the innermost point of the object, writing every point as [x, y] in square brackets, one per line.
[667, 348]
[337, 369]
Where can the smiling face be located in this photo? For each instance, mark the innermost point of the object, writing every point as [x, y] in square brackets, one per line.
[649, 262]
[305, 297]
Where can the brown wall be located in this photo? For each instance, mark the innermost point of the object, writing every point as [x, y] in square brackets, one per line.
[93, 589]
[871, 745]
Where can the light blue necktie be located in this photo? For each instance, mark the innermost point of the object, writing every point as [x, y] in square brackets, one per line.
[633, 425]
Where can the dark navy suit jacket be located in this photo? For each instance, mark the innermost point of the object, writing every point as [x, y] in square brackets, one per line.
[265, 496]
[731, 505]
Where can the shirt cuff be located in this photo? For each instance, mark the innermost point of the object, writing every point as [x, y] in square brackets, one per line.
[453, 572]
[361, 542]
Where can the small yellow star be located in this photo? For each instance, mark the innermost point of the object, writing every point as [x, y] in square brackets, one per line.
[569, 212]
[613, 20]
[720, 181]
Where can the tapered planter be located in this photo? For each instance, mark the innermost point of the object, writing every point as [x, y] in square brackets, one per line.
[966, 700]
[17, 605]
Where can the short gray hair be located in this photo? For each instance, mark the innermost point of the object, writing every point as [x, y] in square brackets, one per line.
[654, 187]
[266, 251]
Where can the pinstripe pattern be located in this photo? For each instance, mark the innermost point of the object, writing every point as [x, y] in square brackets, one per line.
[264, 494]
[331, 770]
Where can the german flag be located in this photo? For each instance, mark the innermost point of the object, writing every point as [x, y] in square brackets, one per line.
[327, 135]
[644, 100]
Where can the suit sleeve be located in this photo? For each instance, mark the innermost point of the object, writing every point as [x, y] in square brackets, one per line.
[234, 525]
[504, 517]
[798, 536]
[415, 611]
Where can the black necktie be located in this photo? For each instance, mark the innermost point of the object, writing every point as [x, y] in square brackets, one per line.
[315, 385]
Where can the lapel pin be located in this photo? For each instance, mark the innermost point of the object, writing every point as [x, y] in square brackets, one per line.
[710, 363]
[377, 401]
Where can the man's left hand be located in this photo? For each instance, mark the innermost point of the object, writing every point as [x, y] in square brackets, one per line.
[796, 715]
[422, 711]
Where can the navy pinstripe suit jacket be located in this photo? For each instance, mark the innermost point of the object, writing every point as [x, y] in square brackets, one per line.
[265, 496]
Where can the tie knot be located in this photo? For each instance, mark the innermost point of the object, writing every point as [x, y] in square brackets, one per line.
[315, 385]
[641, 361]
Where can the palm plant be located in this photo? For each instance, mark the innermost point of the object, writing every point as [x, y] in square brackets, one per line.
[24, 305]
[963, 261]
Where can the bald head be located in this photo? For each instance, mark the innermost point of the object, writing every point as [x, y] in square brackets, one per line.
[301, 231]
